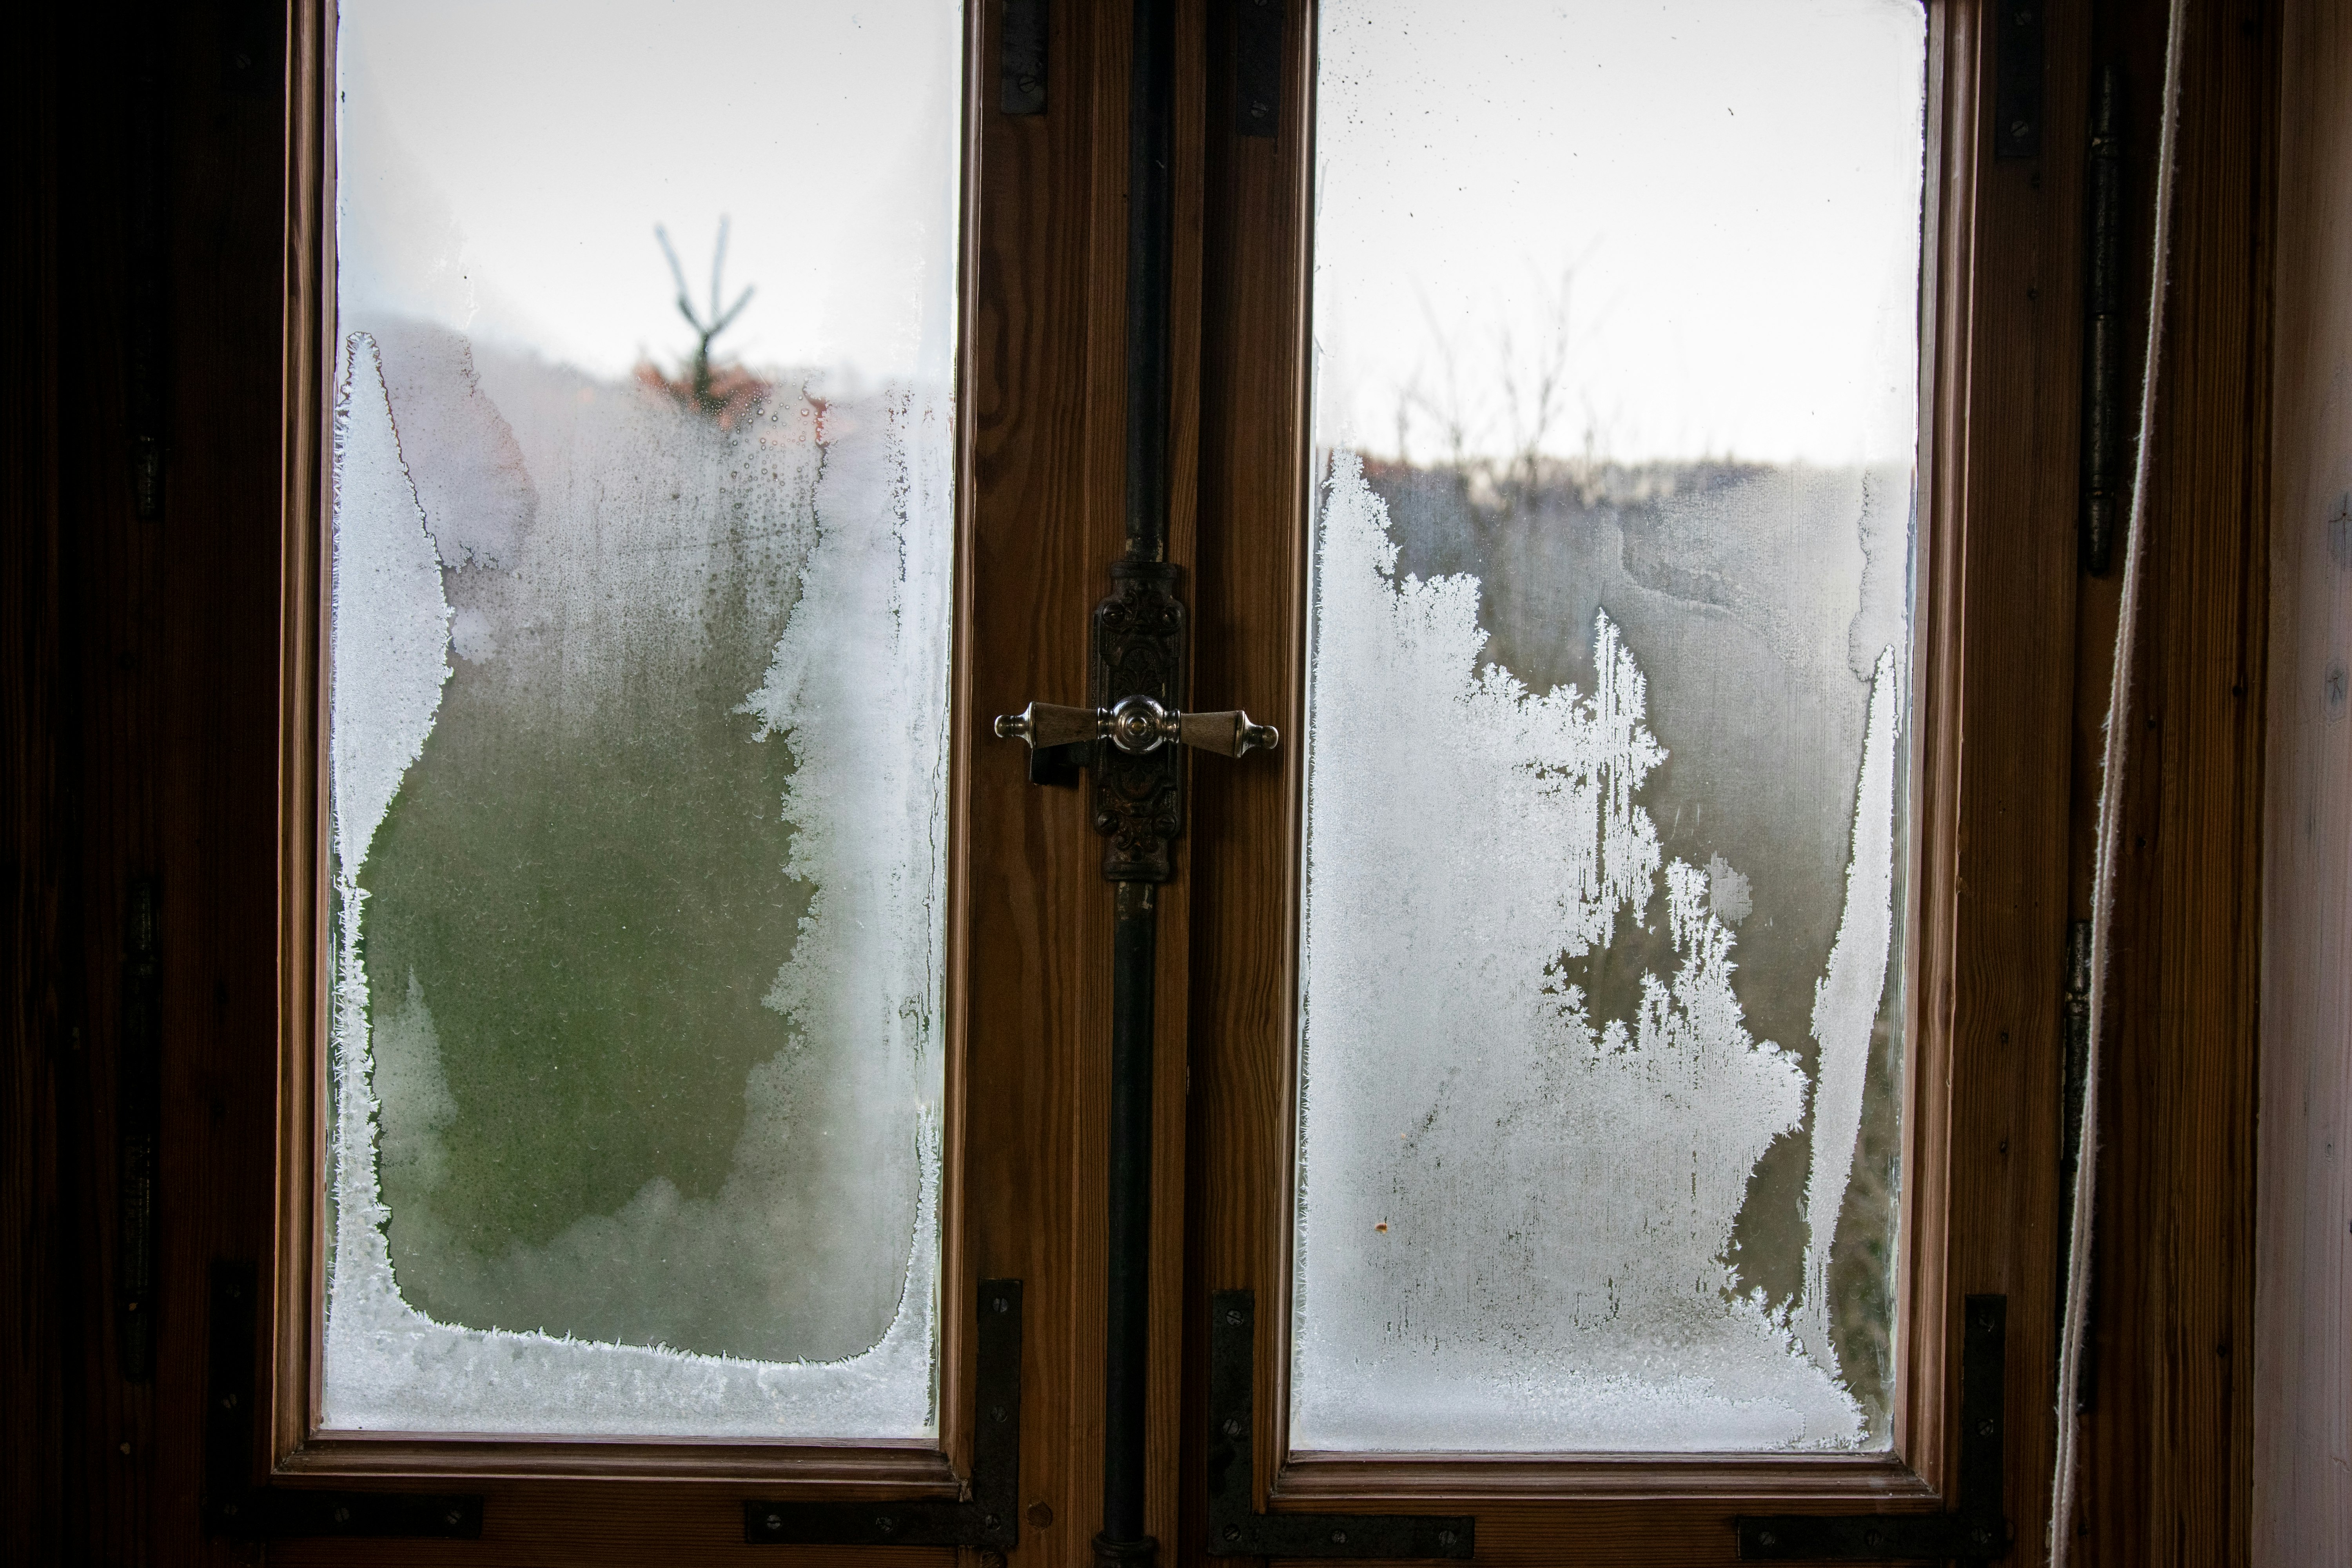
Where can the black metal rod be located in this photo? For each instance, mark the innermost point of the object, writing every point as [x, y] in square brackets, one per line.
[2105, 477]
[1127, 1354]
[1150, 217]
[1135, 943]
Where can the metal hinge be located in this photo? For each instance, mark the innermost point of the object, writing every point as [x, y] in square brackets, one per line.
[2074, 1093]
[1976, 1531]
[138, 1125]
[235, 1507]
[1235, 1527]
[988, 1519]
[2106, 472]
[2017, 78]
[1022, 29]
[1257, 68]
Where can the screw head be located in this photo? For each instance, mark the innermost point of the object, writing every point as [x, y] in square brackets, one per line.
[1233, 1532]
[1233, 1317]
[1766, 1538]
[1986, 1428]
[885, 1524]
[1232, 1428]
[1001, 1304]
[1338, 1538]
[996, 1413]
[1874, 1539]
[775, 1522]
[452, 1518]
[342, 1516]
[1445, 1537]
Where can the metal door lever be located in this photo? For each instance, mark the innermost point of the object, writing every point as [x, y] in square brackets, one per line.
[1136, 725]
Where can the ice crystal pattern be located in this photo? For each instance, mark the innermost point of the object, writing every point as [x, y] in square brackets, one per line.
[857, 687]
[1515, 1216]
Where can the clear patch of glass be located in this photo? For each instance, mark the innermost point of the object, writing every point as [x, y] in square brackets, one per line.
[1615, 315]
[642, 539]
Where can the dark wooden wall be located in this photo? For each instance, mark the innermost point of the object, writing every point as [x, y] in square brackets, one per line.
[138, 688]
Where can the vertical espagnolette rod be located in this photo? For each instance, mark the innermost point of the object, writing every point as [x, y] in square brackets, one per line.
[1135, 938]
[2106, 471]
[139, 1074]
[1127, 1351]
[1132, 736]
[1151, 217]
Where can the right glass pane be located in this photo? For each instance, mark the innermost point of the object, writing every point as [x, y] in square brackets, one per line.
[1616, 315]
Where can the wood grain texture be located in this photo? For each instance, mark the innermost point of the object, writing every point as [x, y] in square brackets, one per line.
[1249, 616]
[2303, 1224]
[2168, 1447]
[1996, 987]
[36, 1033]
[296, 1316]
[161, 732]
[1044, 408]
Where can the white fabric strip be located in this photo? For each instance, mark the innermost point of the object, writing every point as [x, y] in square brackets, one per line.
[2103, 896]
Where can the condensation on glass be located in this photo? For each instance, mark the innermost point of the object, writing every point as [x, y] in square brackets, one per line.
[642, 548]
[1616, 329]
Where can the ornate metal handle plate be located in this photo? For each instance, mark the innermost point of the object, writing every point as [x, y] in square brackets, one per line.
[1136, 725]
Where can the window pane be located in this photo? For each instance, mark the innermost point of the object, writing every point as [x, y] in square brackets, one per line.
[639, 648]
[1616, 361]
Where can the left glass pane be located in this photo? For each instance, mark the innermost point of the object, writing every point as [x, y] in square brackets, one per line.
[643, 544]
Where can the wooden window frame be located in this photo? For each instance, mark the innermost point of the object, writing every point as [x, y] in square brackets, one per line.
[1993, 681]
[1041, 402]
[1040, 390]
[300, 1449]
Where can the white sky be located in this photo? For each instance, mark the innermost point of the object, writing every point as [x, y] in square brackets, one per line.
[1735, 184]
[504, 161]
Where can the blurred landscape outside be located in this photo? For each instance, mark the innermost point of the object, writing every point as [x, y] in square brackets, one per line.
[638, 716]
[1615, 411]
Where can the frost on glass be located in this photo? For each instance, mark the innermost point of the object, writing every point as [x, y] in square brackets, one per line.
[637, 747]
[1607, 767]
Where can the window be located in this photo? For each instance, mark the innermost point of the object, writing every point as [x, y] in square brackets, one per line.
[1590, 1038]
[637, 725]
[1606, 771]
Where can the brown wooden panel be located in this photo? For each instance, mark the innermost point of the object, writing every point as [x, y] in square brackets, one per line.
[1249, 612]
[2302, 1313]
[2167, 1449]
[1047, 397]
[37, 1033]
[2015, 577]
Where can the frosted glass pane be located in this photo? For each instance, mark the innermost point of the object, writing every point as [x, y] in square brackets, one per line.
[638, 718]
[1615, 321]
